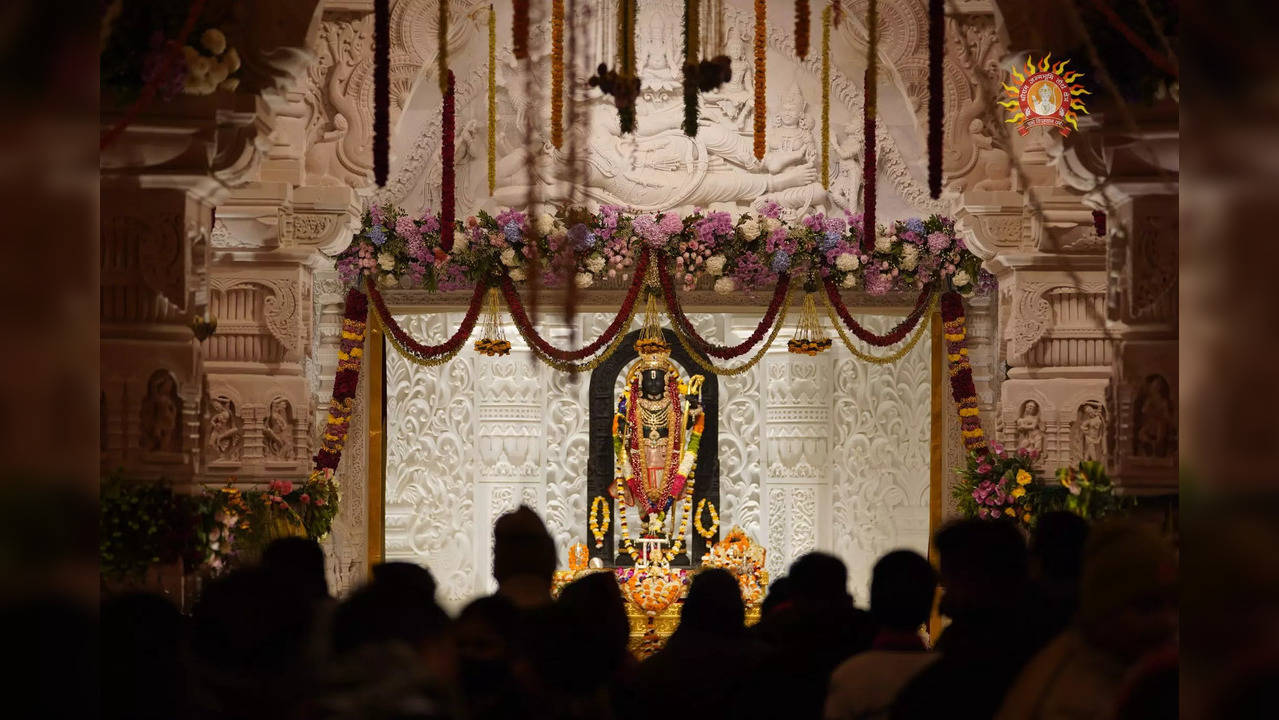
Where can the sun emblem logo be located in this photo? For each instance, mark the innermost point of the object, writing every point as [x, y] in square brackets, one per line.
[1045, 95]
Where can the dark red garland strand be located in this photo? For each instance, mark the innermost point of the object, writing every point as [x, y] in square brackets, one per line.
[430, 351]
[381, 91]
[347, 377]
[896, 335]
[868, 128]
[522, 321]
[936, 93]
[962, 388]
[706, 347]
[801, 28]
[1099, 223]
[519, 29]
[448, 207]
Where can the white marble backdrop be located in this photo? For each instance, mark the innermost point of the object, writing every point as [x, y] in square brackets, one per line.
[826, 453]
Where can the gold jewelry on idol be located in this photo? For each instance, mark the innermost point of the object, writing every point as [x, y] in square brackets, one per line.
[599, 526]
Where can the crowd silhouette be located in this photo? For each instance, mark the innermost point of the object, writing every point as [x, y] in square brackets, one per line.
[1077, 622]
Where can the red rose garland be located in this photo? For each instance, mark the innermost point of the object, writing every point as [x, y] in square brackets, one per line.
[868, 126]
[962, 388]
[724, 352]
[936, 93]
[522, 322]
[447, 199]
[426, 352]
[345, 380]
[896, 335]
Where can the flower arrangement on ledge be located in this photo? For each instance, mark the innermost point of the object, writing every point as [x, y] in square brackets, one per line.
[751, 253]
[1000, 484]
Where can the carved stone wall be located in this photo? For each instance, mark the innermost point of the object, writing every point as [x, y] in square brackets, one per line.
[822, 453]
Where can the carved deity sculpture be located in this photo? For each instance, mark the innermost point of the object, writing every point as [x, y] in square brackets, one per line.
[226, 430]
[1030, 428]
[1153, 418]
[1089, 433]
[277, 431]
[162, 414]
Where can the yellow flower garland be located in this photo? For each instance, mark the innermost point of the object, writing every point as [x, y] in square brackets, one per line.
[597, 522]
[761, 51]
[697, 519]
[557, 73]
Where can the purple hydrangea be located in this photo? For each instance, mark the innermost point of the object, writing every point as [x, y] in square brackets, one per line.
[375, 212]
[671, 224]
[771, 209]
[512, 231]
[506, 217]
[377, 235]
[916, 226]
[781, 261]
[430, 223]
[829, 240]
[750, 273]
[579, 235]
[938, 241]
[836, 225]
[406, 228]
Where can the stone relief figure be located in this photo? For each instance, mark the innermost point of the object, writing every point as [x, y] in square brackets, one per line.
[1088, 434]
[277, 430]
[1153, 420]
[162, 414]
[226, 430]
[848, 146]
[1030, 428]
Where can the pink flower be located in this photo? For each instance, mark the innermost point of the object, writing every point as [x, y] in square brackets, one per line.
[286, 487]
[671, 224]
[983, 468]
[407, 228]
[306, 499]
[319, 502]
[938, 242]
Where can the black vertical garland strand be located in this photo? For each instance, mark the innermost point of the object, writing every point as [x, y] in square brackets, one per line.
[868, 127]
[448, 207]
[691, 22]
[381, 90]
[801, 28]
[936, 93]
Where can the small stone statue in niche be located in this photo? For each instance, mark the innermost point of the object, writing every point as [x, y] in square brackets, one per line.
[1088, 436]
[1030, 428]
[226, 430]
[277, 430]
[162, 414]
[1153, 418]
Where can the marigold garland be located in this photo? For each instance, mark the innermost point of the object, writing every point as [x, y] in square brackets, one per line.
[706, 533]
[962, 388]
[936, 104]
[761, 51]
[492, 101]
[448, 205]
[826, 13]
[868, 125]
[801, 28]
[345, 381]
[557, 73]
[519, 29]
[442, 44]
[600, 526]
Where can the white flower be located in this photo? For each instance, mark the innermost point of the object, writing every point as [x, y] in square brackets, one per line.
[846, 262]
[218, 72]
[961, 279]
[883, 241]
[198, 66]
[595, 263]
[850, 280]
[214, 41]
[232, 59]
[460, 241]
[516, 274]
[544, 224]
[750, 228]
[508, 257]
[771, 224]
[230, 84]
[715, 264]
[386, 261]
[725, 285]
[584, 280]
[910, 256]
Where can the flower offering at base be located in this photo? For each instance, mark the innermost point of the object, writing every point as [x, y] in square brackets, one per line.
[999, 485]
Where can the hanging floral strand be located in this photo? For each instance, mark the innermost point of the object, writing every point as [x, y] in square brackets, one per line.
[447, 208]
[691, 39]
[826, 13]
[801, 28]
[519, 29]
[962, 388]
[345, 382]
[381, 91]
[761, 49]
[868, 166]
[557, 73]
[626, 13]
[936, 107]
[492, 98]
[442, 43]
[837, 13]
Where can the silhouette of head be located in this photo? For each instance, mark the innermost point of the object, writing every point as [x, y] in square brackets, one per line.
[382, 613]
[298, 562]
[714, 604]
[902, 588]
[983, 566]
[819, 580]
[1127, 591]
[1057, 545]
[408, 576]
[779, 595]
[522, 546]
[591, 616]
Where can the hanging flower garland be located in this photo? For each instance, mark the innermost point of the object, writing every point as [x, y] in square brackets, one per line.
[745, 367]
[447, 198]
[761, 52]
[691, 30]
[381, 91]
[493, 342]
[598, 520]
[801, 28]
[492, 101]
[350, 353]
[936, 104]
[519, 29]
[557, 73]
[962, 388]
[809, 338]
[442, 45]
[704, 346]
[414, 350]
[868, 123]
[706, 532]
[896, 335]
[826, 13]
[628, 85]
[920, 329]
